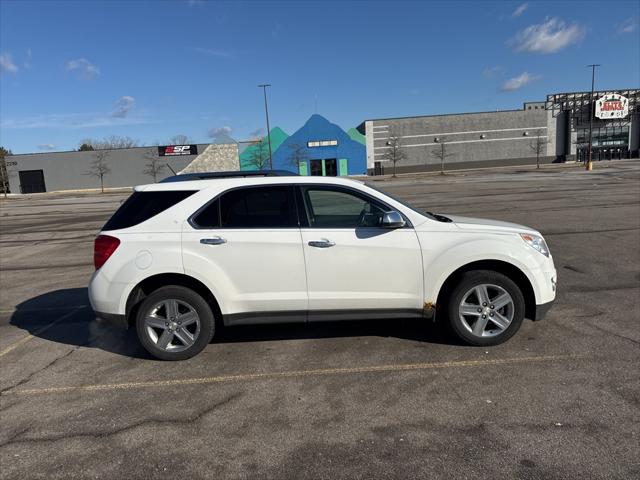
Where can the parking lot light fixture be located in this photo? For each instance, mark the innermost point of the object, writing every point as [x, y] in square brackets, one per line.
[266, 111]
[593, 66]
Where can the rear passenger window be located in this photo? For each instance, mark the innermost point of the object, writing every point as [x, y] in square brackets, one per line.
[209, 217]
[141, 206]
[258, 207]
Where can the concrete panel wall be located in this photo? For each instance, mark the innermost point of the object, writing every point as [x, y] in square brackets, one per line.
[470, 137]
[68, 170]
[215, 158]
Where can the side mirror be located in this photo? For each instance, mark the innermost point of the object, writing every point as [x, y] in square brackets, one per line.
[392, 219]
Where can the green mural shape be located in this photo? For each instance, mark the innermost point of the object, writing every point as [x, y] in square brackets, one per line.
[356, 136]
[277, 137]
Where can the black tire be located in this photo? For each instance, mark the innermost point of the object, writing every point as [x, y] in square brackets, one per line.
[467, 282]
[183, 296]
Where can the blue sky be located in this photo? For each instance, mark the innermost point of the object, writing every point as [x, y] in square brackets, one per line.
[152, 70]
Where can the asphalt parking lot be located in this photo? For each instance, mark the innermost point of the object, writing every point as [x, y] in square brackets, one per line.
[394, 399]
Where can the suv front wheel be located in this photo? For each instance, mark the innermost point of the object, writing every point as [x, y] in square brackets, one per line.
[174, 323]
[485, 308]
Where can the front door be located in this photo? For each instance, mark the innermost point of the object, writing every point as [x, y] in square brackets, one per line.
[250, 243]
[355, 268]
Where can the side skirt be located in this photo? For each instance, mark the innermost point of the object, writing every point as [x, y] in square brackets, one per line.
[301, 316]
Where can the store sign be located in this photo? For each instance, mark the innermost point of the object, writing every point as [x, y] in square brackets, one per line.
[172, 150]
[612, 106]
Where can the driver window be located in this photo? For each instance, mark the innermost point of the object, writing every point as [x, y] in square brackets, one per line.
[339, 209]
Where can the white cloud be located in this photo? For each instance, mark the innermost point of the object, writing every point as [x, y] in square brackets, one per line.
[214, 52]
[46, 146]
[628, 26]
[548, 37]
[123, 106]
[220, 132]
[6, 63]
[257, 133]
[86, 69]
[516, 83]
[520, 10]
[492, 72]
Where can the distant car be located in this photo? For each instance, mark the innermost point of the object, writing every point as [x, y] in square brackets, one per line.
[180, 258]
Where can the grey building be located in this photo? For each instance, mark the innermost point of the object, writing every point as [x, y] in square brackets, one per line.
[46, 172]
[553, 130]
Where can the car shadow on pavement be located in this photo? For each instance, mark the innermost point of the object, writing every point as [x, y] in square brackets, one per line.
[65, 316]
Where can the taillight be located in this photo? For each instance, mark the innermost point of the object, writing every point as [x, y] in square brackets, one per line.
[103, 248]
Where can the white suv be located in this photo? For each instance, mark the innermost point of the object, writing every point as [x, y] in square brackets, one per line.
[182, 257]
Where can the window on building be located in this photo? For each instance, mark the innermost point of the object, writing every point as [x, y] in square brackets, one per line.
[322, 143]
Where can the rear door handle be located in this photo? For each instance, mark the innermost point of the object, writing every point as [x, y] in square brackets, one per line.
[213, 241]
[322, 243]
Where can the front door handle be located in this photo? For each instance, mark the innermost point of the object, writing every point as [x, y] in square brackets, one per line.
[322, 243]
[213, 241]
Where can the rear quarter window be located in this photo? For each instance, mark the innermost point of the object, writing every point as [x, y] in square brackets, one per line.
[142, 206]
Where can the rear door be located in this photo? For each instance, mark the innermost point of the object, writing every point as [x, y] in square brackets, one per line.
[355, 268]
[248, 243]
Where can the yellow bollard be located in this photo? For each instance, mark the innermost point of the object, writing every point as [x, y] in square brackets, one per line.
[589, 166]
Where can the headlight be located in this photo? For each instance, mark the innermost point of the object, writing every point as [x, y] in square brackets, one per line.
[537, 242]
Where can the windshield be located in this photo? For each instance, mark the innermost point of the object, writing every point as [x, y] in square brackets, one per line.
[424, 213]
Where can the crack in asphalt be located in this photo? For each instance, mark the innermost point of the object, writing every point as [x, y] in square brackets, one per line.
[33, 374]
[15, 439]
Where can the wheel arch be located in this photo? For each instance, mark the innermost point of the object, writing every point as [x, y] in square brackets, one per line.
[150, 284]
[500, 266]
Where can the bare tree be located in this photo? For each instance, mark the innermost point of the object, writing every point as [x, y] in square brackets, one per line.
[5, 171]
[259, 156]
[180, 139]
[153, 167]
[440, 152]
[394, 153]
[109, 143]
[99, 167]
[538, 146]
[297, 155]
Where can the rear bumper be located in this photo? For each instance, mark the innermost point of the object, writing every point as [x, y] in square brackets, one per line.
[542, 309]
[113, 319]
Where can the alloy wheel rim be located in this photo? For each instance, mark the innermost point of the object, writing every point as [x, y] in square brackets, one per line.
[486, 310]
[172, 325]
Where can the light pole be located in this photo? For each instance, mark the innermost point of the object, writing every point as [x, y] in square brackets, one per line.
[593, 78]
[266, 111]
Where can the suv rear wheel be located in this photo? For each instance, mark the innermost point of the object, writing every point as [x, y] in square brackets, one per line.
[485, 308]
[174, 323]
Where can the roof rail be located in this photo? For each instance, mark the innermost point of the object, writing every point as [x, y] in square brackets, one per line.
[185, 177]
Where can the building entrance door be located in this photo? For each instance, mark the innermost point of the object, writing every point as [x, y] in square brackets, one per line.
[330, 167]
[316, 168]
[32, 181]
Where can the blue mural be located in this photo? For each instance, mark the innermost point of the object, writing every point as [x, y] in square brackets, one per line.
[321, 148]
